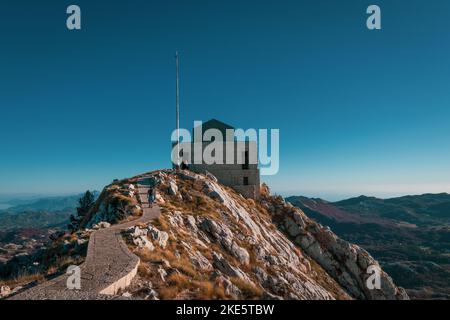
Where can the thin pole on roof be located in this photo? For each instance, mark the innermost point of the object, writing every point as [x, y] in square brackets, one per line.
[178, 107]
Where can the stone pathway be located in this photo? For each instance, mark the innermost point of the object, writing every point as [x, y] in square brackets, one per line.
[109, 265]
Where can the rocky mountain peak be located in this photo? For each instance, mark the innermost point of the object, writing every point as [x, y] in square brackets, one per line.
[210, 242]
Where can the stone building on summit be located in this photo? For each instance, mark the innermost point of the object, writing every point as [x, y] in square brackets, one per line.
[239, 165]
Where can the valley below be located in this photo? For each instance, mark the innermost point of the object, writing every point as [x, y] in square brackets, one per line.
[27, 226]
[409, 236]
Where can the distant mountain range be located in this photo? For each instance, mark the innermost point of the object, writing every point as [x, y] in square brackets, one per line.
[28, 223]
[409, 235]
[48, 212]
[56, 203]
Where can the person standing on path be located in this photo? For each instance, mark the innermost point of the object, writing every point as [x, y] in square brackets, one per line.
[151, 196]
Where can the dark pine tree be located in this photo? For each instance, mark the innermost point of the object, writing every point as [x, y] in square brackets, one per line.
[85, 204]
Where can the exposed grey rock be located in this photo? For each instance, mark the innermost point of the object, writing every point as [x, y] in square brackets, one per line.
[189, 175]
[345, 262]
[221, 233]
[200, 262]
[216, 230]
[260, 274]
[203, 237]
[240, 253]
[159, 199]
[211, 176]
[230, 288]
[139, 238]
[214, 191]
[187, 246]
[152, 295]
[201, 243]
[166, 263]
[176, 219]
[136, 232]
[292, 227]
[191, 223]
[268, 296]
[223, 265]
[143, 243]
[272, 260]
[173, 188]
[162, 274]
[161, 236]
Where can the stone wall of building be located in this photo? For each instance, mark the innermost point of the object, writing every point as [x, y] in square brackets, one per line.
[243, 177]
[233, 176]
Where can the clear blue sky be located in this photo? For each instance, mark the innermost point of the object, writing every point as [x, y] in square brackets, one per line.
[359, 111]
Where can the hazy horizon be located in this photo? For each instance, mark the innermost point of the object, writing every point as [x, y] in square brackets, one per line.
[4, 198]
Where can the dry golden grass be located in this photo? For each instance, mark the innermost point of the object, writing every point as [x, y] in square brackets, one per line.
[179, 280]
[158, 255]
[161, 223]
[179, 284]
[149, 256]
[145, 271]
[249, 290]
[168, 293]
[185, 266]
[207, 290]
[23, 279]
[125, 199]
[200, 203]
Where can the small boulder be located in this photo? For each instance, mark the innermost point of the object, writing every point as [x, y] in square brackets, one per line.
[162, 274]
[143, 243]
[159, 198]
[101, 225]
[240, 253]
[191, 224]
[161, 236]
[152, 295]
[173, 188]
[5, 291]
[136, 232]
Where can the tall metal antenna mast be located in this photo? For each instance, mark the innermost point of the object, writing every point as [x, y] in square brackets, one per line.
[178, 109]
